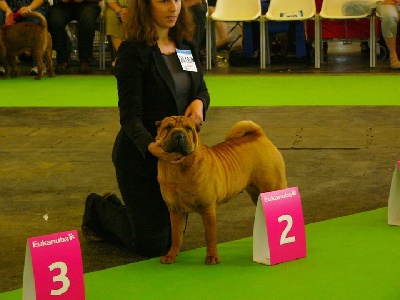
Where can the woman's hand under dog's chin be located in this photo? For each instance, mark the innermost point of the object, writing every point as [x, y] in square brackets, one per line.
[66, 1]
[156, 149]
[178, 161]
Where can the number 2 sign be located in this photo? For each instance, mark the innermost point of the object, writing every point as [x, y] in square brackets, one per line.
[53, 268]
[279, 233]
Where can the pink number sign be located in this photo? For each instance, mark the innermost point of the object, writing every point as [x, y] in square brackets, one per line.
[53, 268]
[279, 232]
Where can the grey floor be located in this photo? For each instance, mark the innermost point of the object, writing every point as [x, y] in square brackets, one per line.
[341, 158]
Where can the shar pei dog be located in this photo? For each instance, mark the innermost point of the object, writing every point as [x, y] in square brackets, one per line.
[208, 176]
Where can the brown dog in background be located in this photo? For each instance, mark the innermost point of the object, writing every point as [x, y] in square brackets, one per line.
[208, 176]
[26, 37]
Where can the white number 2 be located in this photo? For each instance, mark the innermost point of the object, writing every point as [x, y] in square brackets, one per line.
[284, 238]
[61, 277]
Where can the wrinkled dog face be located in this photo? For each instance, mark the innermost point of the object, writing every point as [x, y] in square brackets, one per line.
[178, 134]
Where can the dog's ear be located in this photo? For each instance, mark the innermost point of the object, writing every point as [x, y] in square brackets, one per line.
[158, 124]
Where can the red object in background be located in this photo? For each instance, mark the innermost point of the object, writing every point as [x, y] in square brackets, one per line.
[11, 20]
[342, 29]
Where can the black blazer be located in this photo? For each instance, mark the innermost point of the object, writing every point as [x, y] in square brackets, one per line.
[146, 94]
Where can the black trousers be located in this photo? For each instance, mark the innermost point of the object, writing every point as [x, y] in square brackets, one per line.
[199, 12]
[142, 223]
[60, 14]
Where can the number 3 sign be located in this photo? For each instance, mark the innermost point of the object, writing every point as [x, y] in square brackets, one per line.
[53, 268]
[279, 233]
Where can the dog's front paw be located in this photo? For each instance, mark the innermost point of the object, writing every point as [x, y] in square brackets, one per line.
[212, 260]
[167, 259]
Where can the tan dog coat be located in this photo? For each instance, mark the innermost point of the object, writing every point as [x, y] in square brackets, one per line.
[246, 160]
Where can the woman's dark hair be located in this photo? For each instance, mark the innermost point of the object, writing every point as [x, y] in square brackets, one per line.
[139, 25]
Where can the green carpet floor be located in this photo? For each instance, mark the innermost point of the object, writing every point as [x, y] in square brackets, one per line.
[268, 90]
[353, 257]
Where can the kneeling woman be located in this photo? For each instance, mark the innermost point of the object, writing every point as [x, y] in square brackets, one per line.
[154, 81]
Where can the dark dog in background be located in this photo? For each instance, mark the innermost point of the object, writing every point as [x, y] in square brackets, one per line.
[26, 37]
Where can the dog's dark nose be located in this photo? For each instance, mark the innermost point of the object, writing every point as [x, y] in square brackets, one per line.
[179, 136]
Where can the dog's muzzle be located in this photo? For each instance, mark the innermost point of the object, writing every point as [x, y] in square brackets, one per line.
[178, 142]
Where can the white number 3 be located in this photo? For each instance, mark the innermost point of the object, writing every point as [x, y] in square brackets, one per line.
[284, 238]
[61, 277]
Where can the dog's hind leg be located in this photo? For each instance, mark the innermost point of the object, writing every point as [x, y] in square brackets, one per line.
[209, 217]
[38, 59]
[3, 60]
[178, 223]
[11, 65]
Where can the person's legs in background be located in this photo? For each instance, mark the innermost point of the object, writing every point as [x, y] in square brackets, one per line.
[2, 21]
[389, 21]
[199, 12]
[60, 14]
[113, 29]
[88, 13]
[2, 17]
[220, 27]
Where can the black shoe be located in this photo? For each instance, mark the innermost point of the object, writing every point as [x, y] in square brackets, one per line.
[224, 46]
[364, 47]
[84, 68]
[112, 198]
[91, 236]
[92, 228]
[62, 68]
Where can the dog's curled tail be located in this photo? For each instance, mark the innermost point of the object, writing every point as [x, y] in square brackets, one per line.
[36, 15]
[243, 128]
